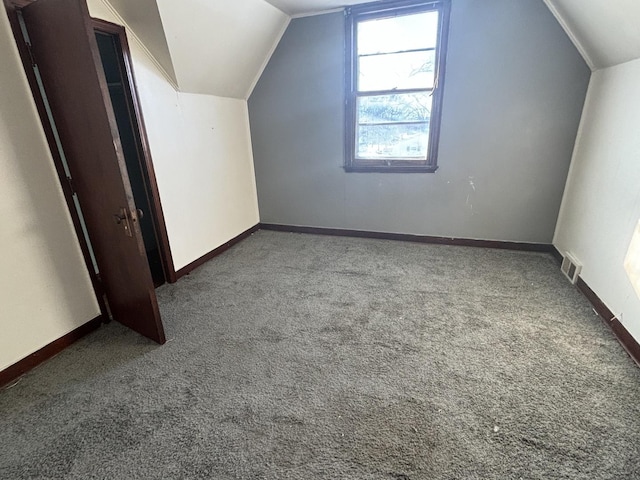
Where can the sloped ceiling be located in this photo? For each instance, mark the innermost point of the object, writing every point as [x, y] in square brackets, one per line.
[306, 7]
[219, 47]
[144, 18]
[606, 32]
[213, 47]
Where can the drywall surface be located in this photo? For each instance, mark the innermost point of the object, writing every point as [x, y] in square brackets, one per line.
[143, 15]
[298, 8]
[601, 206]
[45, 290]
[607, 33]
[202, 157]
[514, 93]
[218, 46]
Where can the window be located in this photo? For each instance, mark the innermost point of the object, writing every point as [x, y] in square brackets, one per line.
[395, 74]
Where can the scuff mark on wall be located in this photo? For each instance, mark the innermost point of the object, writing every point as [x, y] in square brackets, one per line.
[471, 194]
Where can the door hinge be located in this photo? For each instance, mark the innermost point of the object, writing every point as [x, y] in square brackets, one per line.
[109, 314]
[71, 186]
[31, 56]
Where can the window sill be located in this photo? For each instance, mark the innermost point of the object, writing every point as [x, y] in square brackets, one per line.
[389, 169]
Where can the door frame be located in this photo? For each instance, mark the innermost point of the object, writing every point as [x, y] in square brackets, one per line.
[12, 7]
[147, 162]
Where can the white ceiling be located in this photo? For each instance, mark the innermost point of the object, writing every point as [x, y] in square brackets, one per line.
[213, 47]
[607, 32]
[219, 47]
[297, 8]
[144, 18]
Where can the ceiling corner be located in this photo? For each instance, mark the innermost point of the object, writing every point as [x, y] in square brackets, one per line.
[563, 20]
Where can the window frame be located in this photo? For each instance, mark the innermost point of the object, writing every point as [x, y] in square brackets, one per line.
[388, 9]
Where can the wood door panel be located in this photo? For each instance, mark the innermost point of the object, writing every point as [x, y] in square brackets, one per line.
[67, 56]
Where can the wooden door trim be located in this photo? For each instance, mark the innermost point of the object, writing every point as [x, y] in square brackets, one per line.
[12, 7]
[68, 59]
[159, 220]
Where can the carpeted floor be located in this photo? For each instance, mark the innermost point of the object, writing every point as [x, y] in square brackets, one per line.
[307, 357]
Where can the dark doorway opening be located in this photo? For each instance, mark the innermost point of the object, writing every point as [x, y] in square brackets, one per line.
[121, 99]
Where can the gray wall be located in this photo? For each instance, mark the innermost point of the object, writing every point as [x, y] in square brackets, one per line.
[514, 92]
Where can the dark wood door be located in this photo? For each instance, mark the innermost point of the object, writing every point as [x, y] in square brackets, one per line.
[66, 53]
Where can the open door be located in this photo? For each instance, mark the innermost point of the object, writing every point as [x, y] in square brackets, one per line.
[65, 51]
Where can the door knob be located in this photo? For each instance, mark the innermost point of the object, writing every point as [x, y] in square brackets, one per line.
[122, 218]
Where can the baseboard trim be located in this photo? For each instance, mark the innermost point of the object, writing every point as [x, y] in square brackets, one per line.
[186, 270]
[631, 346]
[621, 333]
[407, 237]
[16, 370]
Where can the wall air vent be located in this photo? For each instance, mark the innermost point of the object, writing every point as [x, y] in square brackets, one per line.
[570, 267]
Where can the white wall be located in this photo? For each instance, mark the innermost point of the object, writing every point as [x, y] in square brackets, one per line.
[45, 290]
[201, 150]
[202, 155]
[601, 204]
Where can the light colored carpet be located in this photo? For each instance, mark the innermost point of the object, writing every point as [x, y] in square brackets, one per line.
[308, 357]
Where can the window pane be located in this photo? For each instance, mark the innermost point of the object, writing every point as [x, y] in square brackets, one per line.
[400, 107]
[405, 141]
[398, 34]
[396, 71]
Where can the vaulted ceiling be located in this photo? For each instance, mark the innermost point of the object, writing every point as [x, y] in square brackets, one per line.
[606, 32]
[215, 47]
[143, 17]
[307, 7]
[220, 47]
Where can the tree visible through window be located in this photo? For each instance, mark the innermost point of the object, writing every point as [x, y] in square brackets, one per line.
[395, 74]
